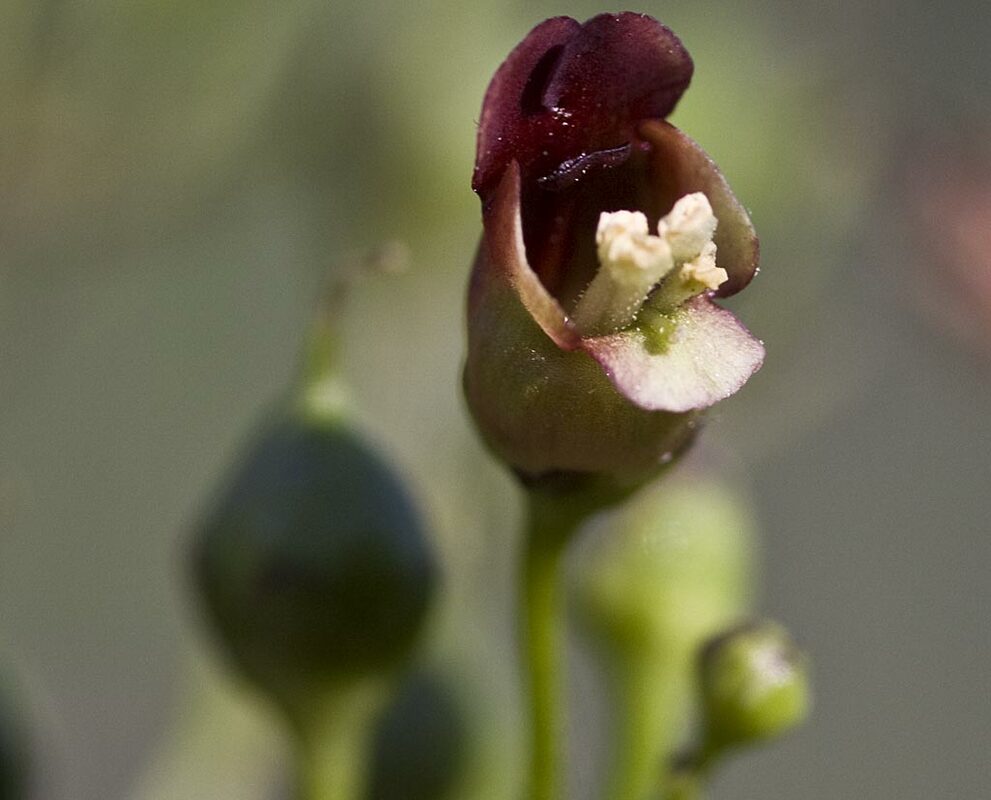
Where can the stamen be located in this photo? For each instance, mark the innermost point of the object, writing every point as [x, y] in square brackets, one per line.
[703, 269]
[693, 278]
[681, 258]
[631, 263]
[689, 226]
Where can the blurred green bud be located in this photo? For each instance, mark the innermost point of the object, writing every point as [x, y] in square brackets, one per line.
[313, 566]
[421, 742]
[654, 581]
[668, 570]
[754, 684]
[13, 751]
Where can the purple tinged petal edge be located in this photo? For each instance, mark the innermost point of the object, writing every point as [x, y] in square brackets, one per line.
[710, 356]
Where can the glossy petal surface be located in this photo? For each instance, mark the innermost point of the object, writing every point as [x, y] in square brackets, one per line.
[569, 91]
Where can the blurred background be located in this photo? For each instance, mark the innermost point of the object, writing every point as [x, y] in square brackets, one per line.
[176, 180]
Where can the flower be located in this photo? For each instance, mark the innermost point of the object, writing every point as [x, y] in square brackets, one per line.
[593, 342]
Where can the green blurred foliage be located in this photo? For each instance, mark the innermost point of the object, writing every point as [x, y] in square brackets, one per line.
[668, 570]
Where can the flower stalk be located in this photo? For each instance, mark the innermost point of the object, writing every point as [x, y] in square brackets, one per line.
[334, 742]
[543, 613]
[554, 514]
[645, 699]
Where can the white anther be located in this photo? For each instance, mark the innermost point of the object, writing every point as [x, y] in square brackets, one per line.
[689, 226]
[703, 270]
[681, 257]
[631, 263]
[627, 249]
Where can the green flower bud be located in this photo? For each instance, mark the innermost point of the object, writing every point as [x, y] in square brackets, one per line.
[421, 743]
[313, 565]
[754, 684]
[667, 571]
[655, 581]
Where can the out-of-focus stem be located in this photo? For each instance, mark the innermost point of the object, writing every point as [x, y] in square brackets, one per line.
[322, 395]
[643, 734]
[688, 782]
[334, 745]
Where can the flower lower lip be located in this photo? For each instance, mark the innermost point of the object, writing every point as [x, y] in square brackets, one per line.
[569, 172]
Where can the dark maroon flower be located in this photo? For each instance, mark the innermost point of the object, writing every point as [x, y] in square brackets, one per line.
[593, 343]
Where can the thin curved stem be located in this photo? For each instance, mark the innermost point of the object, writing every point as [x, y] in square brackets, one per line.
[322, 394]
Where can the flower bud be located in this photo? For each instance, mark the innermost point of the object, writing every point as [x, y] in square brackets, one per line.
[754, 684]
[313, 564]
[421, 742]
[655, 580]
[667, 571]
[593, 341]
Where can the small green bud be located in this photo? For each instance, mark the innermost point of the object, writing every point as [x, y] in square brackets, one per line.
[754, 683]
[313, 565]
[421, 742]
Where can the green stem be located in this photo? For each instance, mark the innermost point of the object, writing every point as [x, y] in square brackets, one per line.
[551, 521]
[643, 737]
[685, 787]
[688, 782]
[334, 745]
[322, 394]
[543, 645]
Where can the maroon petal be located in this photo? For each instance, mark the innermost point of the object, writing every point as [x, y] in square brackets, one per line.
[502, 261]
[570, 91]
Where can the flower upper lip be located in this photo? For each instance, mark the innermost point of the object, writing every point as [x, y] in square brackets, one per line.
[572, 92]
[571, 106]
